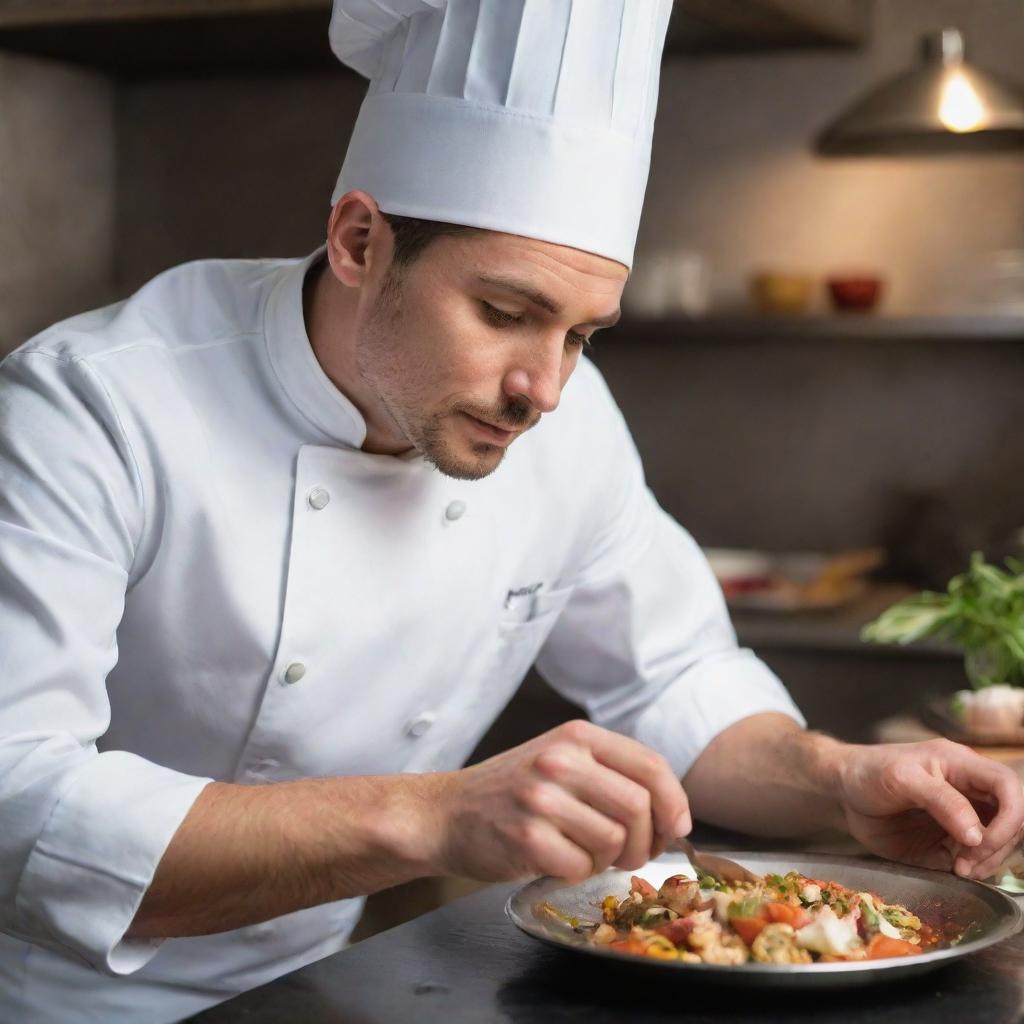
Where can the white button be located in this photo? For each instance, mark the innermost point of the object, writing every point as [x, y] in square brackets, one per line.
[420, 724]
[455, 510]
[318, 498]
[294, 672]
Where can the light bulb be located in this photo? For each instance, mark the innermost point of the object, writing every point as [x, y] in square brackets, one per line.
[960, 109]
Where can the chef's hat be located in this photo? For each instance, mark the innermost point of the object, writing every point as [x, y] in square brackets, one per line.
[527, 116]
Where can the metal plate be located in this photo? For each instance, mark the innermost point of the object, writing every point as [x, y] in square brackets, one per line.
[983, 913]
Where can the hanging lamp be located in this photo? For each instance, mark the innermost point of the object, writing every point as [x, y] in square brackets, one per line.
[943, 105]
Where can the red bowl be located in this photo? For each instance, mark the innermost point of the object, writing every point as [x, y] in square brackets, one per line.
[854, 293]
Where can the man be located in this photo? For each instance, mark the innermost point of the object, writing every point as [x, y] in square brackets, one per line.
[281, 538]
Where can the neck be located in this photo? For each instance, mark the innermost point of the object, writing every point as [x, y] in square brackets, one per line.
[330, 312]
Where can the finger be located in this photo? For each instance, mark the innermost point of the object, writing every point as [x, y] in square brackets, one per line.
[1002, 786]
[669, 805]
[659, 847]
[949, 807]
[988, 866]
[612, 795]
[601, 838]
[545, 851]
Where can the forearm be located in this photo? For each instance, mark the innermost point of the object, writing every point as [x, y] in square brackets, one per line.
[245, 854]
[766, 776]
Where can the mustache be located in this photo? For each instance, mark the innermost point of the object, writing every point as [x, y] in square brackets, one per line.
[511, 415]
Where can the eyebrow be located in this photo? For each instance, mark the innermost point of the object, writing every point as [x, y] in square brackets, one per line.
[540, 299]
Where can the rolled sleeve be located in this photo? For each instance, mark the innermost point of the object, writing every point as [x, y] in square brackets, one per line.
[705, 700]
[96, 855]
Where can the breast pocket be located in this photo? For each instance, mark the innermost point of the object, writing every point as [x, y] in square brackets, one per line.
[521, 636]
[468, 715]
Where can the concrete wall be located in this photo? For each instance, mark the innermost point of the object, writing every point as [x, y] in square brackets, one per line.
[232, 166]
[733, 175]
[56, 194]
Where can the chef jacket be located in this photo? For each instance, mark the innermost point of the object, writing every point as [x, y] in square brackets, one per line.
[204, 577]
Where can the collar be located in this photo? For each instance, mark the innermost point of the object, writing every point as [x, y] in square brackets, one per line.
[291, 354]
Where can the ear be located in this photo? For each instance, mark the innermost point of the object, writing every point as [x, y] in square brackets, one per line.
[357, 238]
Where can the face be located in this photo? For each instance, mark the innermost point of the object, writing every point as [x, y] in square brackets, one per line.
[466, 348]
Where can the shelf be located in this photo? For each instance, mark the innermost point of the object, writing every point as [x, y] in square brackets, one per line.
[850, 327]
[132, 38]
[708, 27]
[834, 630]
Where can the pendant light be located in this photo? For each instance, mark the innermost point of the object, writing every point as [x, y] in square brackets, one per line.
[944, 105]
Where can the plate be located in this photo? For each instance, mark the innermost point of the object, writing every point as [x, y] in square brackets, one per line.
[985, 915]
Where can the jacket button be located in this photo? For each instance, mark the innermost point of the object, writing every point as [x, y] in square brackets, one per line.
[318, 498]
[420, 724]
[294, 672]
[454, 511]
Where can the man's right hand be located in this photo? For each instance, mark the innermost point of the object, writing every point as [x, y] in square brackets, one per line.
[569, 803]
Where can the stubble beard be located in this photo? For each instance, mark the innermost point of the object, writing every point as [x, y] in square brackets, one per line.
[385, 368]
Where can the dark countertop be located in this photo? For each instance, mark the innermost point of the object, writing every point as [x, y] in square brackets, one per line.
[467, 964]
[836, 629]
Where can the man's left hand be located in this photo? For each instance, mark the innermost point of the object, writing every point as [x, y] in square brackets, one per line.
[935, 804]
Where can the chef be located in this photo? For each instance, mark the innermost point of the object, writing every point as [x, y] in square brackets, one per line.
[280, 538]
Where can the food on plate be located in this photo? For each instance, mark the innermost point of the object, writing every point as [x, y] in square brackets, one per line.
[779, 919]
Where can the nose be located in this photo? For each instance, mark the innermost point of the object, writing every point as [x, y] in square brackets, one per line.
[539, 378]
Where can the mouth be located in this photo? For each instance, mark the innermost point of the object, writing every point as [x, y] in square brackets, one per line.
[491, 433]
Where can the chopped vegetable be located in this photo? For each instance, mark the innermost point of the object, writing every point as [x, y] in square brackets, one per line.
[881, 947]
[780, 919]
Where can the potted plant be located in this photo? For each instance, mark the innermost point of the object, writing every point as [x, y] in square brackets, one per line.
[982, 612]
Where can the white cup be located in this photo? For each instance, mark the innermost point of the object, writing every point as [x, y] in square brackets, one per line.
[669, 283]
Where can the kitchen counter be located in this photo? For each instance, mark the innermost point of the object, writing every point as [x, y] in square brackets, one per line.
[835, 629]
[467, 964]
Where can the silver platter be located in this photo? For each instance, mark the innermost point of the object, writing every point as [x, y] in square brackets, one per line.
[982, 913]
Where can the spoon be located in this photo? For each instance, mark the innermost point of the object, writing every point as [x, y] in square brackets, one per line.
[720, 868]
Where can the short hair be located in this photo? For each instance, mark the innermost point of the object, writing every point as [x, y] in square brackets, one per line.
[412, 235]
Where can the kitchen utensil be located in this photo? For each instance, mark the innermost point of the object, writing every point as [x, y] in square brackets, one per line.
[720, 868]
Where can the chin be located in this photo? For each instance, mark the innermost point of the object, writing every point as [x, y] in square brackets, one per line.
[468, 463]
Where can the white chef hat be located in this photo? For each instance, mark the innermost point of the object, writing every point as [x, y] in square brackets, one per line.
[527, 116]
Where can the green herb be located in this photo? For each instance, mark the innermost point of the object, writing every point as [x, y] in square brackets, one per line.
[744, 908]
[776, 880]
[982, 612]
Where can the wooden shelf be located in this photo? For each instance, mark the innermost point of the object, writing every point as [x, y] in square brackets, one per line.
[707, 27]
[132, 38]
[852, 327]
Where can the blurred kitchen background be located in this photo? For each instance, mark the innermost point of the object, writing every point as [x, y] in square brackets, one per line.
[822, 359]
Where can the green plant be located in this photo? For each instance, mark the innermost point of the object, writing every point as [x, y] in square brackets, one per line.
[982, 611]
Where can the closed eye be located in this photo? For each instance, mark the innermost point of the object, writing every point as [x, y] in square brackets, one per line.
[499, 318]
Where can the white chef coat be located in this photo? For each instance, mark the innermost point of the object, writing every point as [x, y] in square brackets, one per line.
[204, 577]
